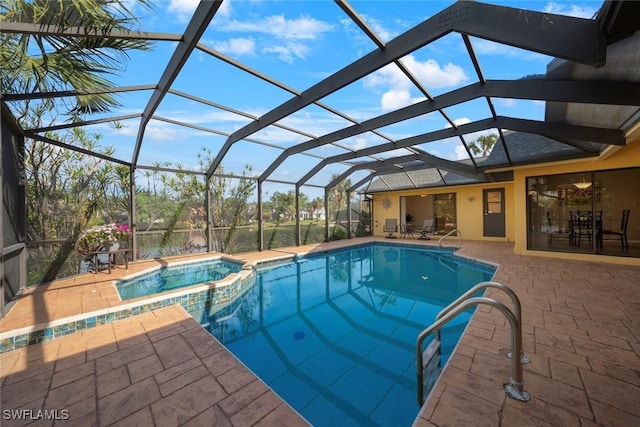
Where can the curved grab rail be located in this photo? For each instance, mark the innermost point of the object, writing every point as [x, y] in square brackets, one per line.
[455, 230]
[445, 265]
[514, 388]
[517, 311]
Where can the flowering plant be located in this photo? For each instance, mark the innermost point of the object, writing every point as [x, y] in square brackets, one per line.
[92, 239]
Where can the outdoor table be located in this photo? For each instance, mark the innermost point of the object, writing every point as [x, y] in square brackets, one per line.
[112, 256]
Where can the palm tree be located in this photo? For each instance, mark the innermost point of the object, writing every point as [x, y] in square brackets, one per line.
[315, 205]
[337, 194]
[54, 62]
[51, 61]
[483, 144]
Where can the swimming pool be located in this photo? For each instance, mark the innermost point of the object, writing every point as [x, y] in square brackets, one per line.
[174, 277]
[334, 334]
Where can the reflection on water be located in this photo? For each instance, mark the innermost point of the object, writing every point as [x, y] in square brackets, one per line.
[169, 278]
[335, 334]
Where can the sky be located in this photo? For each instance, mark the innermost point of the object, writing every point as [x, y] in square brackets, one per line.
[298, 44]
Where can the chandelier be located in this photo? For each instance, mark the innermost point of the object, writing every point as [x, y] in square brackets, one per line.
[582, 185]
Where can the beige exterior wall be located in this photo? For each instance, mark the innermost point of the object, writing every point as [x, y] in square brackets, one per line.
[469, 212]
[469, 200]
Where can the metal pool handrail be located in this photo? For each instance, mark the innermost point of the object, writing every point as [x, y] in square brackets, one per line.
[514, 388]
[517, 311]
[455, 230]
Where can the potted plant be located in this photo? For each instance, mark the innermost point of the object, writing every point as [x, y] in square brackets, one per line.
[105, 237]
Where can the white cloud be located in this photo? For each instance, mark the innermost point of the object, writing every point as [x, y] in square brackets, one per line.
[360, 144]
[225, 8]
[432, 75]
[507, 102]
[394, 99]
[303, 28]
[356, 143]
[384, 33]
[289, 51]
[429, 73]
[163, 133]
[398, 86]
[288, 39]
[360, 43]
[570, 10]
[182, 9]
[460, 152]
[239, 46]
[458, 122]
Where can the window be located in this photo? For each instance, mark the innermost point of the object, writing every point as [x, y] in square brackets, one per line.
[583, 212]
[494, 202]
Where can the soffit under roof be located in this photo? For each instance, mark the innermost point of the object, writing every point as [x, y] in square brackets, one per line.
[623, 64]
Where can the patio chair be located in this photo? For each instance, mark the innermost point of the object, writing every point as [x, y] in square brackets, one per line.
[622, 232]
[427, 227]
[390, 226]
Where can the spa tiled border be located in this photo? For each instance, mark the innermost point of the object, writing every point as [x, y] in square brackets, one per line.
[182, 263]
[192, 298]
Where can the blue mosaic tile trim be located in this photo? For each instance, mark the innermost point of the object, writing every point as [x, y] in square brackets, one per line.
[484, 266]
[7, 344]
[190, 302]
[276, 263]
[178, 265]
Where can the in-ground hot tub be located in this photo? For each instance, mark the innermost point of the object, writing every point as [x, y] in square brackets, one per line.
[176, 276]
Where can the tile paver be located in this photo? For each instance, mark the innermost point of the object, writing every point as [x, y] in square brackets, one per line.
[187, 402]
[580, 322]
[585, 363]
[130, 386]
[127, 401]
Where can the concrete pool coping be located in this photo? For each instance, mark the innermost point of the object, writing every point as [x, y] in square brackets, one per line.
[580, 330]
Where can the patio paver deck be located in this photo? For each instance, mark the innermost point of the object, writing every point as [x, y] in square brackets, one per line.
[581, 330]
[581, 325]
[157, 368]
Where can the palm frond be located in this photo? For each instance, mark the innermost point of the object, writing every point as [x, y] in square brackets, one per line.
[60, 62]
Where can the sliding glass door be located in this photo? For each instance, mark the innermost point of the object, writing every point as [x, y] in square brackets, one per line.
[444, 207]
[590, 212]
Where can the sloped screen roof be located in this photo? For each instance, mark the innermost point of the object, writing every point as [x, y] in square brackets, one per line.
[387, 94]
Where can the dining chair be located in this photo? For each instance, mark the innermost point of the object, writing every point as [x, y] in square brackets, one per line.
[622, 232]
[581, 227]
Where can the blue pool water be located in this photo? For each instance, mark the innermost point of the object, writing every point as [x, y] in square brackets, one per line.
[334, 335]
[170, 278]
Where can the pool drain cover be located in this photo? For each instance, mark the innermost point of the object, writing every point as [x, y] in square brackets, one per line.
[298, 335]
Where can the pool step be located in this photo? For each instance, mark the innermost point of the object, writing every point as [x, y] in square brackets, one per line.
[514, 388]
[431, 366]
